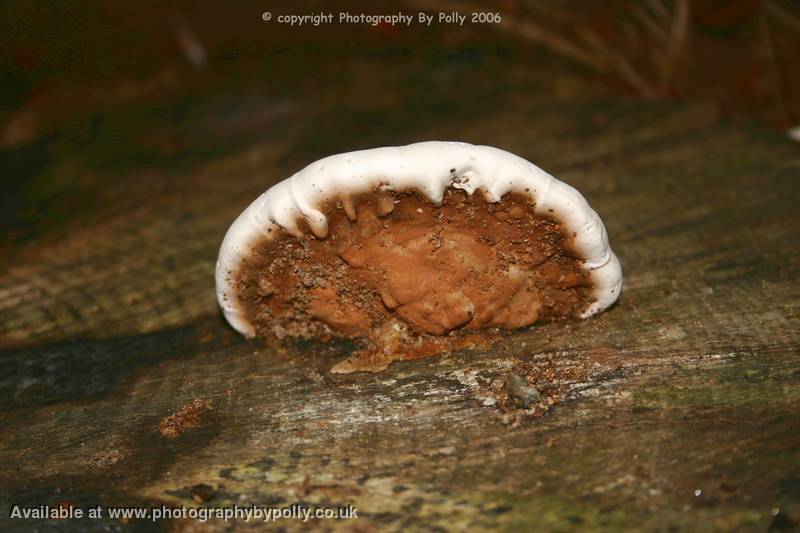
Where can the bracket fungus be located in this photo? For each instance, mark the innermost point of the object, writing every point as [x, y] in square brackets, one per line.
[414, 250]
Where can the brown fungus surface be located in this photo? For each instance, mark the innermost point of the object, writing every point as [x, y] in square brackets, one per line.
[401, 272]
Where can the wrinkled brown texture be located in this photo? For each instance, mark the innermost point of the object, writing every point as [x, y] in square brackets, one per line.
[465, 265]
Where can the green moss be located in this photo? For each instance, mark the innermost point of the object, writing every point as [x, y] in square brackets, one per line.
[750, 381]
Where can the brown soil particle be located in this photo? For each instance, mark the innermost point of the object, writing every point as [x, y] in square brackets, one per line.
[190, 415]
[401, 273]
[522, 394]
[106, 458]
[202, 492]
[532, 389]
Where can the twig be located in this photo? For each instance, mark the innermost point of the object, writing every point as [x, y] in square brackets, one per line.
[618, 63]
[784, 16]
[658, 8]
[521, 28]
[678, 37]
[556, 43]
[650, 24]
[187, 39]
[607, 59]
[773, 68]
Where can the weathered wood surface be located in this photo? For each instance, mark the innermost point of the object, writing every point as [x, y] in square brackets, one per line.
[681, 408]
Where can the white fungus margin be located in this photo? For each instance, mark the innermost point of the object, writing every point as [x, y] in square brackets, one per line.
[429, 168]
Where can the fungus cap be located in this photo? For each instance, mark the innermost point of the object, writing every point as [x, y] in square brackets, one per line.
[428, 168]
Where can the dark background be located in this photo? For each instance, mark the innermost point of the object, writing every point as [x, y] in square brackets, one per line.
[115, 85]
